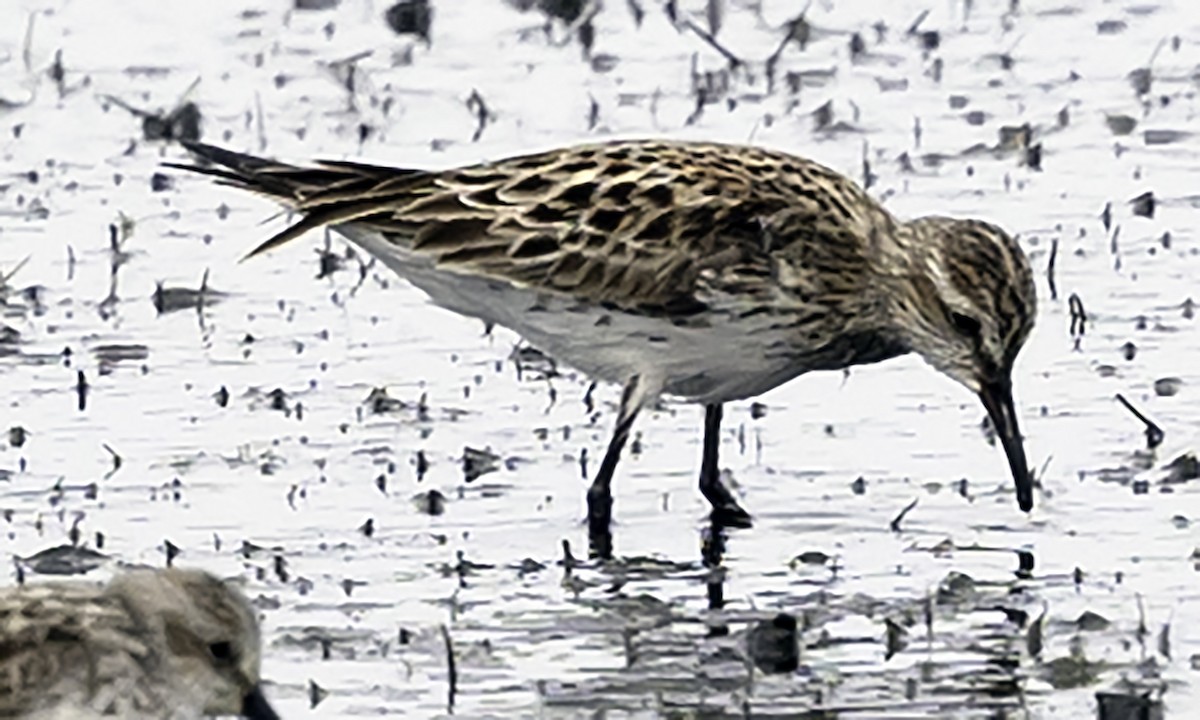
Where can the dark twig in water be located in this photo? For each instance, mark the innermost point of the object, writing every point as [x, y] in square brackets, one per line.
[1050, 269]
[1154, 434]
[5, 277]
[81, 390]
[868, 178]
[171, 550]
[714, 13]
[328, 262]
[593, 113]
[589, 402]
[568, 560]
[364, 268]
[798, 30]
[1041, 473]
[260, 122]
[701, 100]
[895, 524]
[894, 638]
[116, 460]
[1078, 318]
[181, 123]
[476, 105]
[451, 670]
[734, 60]
[345, 73]
[1142, 631]
[1034, 638]
[170, 299]
[916, 24]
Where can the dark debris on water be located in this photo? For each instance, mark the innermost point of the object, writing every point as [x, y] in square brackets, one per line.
[410, 17]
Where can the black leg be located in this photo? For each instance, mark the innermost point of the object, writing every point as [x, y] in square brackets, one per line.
[725, 508]
[712, 552]
[599, 496]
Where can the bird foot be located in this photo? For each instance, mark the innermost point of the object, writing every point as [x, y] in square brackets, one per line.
[731, 515]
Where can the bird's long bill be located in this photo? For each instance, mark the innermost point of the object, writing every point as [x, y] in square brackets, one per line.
[998, 399]
[256, 707]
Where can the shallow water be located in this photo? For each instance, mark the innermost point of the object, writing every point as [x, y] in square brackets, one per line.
[243, 488]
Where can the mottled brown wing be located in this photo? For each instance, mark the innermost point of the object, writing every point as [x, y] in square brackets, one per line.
[628, 223]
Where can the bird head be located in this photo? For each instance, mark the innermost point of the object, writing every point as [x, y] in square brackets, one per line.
[967, 311]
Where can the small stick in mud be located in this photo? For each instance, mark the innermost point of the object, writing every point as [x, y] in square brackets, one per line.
[593, 113]
[1142, 631]
[714, 13]
[638, 13]
[868, 178]
[476, 105]
[1050, 269]
[733, 60]
[81, 390]
[451, 670]
[894, 638]
[916, 23]
[316, 694]
[5, 277]
[169, 299]
[1164, 640]
[927, 611]
[895, 524]
[568, 562]
[171, 550]
[798, 30]
[182, 122]
[1034, 642]
[116, 460]
[1078, 318]
[1154, 433]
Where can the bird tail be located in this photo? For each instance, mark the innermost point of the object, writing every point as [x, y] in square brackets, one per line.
[326, 193]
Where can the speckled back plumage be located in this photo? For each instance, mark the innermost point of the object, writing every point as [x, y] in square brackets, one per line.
[629, 222]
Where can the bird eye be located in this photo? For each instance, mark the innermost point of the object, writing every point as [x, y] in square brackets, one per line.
[966, 324]
[221, 651]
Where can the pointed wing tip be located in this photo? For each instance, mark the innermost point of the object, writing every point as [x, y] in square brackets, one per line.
[262, 249]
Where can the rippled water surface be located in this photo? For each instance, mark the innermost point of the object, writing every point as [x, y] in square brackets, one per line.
[321, 503]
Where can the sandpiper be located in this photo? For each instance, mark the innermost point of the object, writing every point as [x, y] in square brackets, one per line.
[164, 644]
[706, 271]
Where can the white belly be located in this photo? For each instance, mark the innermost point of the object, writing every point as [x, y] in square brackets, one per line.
[721, 362]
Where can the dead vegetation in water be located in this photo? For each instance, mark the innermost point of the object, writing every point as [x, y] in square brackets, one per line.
[723, 78]
[181, 122]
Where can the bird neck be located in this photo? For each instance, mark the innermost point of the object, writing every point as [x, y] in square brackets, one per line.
[911, 275]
